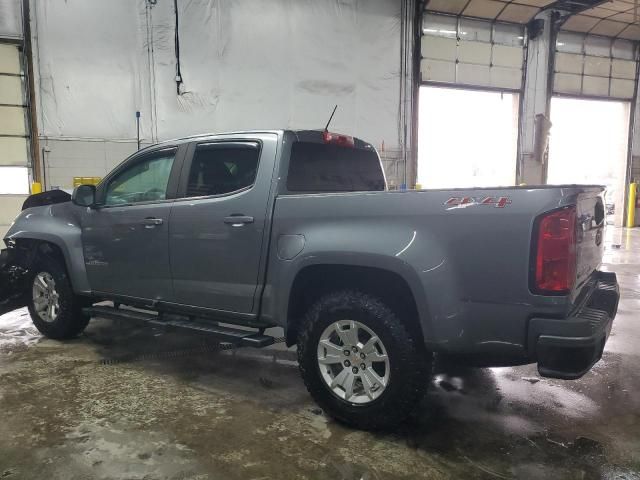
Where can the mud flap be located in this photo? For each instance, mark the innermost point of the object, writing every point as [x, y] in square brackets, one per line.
[13, 283]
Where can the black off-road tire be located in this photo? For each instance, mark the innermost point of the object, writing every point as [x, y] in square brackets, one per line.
[70, 321]
[410, 365]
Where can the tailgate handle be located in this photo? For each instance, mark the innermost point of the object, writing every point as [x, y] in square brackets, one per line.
[238, 220]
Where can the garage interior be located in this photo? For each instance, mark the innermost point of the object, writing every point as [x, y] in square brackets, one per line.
[452, 94]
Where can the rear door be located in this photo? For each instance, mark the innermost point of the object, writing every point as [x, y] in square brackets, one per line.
[217, 228]
[126, 239]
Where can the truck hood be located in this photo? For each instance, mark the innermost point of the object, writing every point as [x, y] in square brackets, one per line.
[46, 198]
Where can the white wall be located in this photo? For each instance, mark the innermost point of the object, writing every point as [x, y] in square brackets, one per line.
[11, 19]
[245, 64]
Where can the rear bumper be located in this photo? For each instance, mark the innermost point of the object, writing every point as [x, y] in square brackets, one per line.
[567, 348]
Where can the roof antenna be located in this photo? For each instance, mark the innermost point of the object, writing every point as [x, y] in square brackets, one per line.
[326, 129]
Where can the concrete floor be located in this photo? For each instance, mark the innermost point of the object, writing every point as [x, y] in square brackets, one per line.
[65, 415]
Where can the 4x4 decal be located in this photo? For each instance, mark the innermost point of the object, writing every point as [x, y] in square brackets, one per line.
[497, 202]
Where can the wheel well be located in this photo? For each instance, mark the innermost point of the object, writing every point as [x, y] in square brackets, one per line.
[30, 250]
[315, 281]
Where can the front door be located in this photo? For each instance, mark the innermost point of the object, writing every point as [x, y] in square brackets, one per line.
[125, 239]
[217, 229]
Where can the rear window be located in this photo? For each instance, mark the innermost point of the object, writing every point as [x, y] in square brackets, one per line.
[318, 167]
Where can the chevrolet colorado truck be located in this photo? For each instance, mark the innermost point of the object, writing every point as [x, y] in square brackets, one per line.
[232, 234]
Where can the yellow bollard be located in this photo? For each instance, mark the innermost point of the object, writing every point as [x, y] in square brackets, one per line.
[36, 187]
[631, 206]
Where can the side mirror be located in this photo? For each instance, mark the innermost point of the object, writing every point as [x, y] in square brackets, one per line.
[84, 195]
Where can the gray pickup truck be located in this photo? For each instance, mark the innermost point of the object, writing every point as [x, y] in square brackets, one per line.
[233, 234]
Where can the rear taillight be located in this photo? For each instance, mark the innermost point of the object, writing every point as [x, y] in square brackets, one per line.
[555, 262]
[337, 139]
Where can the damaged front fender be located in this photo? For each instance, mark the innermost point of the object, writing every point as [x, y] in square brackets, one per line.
[13, 281]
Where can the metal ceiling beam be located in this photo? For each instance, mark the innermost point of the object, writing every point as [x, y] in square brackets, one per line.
[574, 6]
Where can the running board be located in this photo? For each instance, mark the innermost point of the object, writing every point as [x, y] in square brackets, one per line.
[244, 338]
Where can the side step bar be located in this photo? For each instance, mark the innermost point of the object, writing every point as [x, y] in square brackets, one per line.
[244, 338]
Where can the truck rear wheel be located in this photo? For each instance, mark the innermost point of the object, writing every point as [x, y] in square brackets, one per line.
[359, 361]
[55, 310]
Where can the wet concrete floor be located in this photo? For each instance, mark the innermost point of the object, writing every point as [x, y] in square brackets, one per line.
[246, 414]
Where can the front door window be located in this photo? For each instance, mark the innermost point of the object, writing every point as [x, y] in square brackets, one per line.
[145, 181]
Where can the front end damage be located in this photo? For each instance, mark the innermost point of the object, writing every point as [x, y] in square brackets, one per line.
[16, 259]
[13, 279]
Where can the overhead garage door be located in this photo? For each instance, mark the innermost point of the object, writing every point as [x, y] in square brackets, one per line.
[588, 65]
[594, 85]
[14, 135]
[472, 74]
[476, 53]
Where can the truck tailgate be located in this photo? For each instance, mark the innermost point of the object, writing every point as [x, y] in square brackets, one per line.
[590, 219]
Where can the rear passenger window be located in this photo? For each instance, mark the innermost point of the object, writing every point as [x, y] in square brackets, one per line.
[318, 167]
[218, 169]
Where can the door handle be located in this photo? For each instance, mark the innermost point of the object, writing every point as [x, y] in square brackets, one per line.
[151, 222]
[238, 220]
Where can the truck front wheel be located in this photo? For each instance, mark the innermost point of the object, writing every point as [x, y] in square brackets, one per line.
[55, 310]
[359, 361]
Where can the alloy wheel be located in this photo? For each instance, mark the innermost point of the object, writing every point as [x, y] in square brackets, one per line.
[353, 362]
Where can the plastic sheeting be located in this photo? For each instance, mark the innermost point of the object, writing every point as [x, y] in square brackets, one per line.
[245, 64]
[17, 331]
[10, 19]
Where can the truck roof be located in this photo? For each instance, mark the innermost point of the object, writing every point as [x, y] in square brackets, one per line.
[301, 134]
